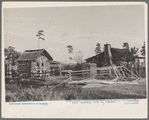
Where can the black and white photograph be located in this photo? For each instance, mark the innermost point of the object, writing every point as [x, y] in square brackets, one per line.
[65, 53]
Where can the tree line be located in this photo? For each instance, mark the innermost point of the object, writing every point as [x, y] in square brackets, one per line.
[79, 57]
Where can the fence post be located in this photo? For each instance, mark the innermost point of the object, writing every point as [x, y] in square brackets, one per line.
[70, 75]
[60, 70]
[93, 73]
[138, 68]
[109, 72]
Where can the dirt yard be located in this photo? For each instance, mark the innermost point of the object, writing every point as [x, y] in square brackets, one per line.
[120, 91]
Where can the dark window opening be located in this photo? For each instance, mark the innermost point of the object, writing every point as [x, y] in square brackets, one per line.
[37, 64]
[42, 64]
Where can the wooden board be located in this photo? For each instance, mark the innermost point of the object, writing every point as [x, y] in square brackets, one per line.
[107, 68]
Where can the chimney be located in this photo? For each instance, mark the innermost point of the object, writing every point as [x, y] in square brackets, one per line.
[107, 54]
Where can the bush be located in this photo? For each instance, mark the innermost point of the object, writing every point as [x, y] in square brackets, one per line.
[16, 93]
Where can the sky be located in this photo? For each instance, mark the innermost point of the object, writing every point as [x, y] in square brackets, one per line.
[82, 27]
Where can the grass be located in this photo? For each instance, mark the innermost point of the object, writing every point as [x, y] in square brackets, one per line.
[16, 93]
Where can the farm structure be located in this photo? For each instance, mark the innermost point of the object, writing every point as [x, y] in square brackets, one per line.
[38, 65]
[117, 54]
[35, 63]
[112, 64]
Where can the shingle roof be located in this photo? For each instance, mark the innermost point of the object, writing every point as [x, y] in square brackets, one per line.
[30, 55]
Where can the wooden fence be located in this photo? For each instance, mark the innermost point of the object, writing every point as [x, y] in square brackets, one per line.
[91, 73]
[80, 73]
[120, 71]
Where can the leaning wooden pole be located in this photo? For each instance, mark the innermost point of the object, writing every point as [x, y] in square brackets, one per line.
[108, 52]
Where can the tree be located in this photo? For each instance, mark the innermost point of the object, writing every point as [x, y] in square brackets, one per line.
[40, 36]
[134, 51]
[98, 49]
[128, 55]
[143, 50]
[79, 57]
[70, 51]
[125, 45]
[11, 57]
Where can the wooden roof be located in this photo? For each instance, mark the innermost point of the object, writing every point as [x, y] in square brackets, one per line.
[121, 54]
[100, 56]
[118, 54]
[30, 55]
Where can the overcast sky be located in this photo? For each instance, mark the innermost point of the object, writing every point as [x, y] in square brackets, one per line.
[81, 27]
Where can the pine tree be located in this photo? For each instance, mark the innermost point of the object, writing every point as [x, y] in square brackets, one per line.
[70, 50]
[143, 50]
[98, 49]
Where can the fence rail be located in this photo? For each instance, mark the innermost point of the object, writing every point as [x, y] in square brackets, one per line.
[107, 68]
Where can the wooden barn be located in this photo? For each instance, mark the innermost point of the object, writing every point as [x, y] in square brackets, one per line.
[34, 63]
[117, 54]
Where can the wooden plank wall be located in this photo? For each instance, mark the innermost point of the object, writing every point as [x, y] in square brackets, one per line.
[25, 67]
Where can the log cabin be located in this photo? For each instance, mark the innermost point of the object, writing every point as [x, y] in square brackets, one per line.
[117, 54]
[34, 62]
